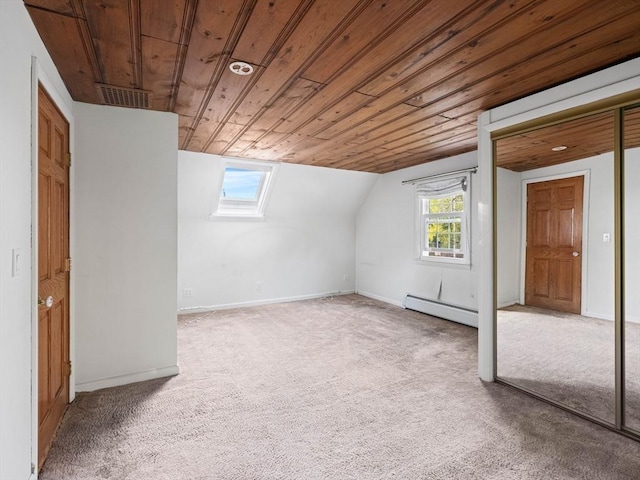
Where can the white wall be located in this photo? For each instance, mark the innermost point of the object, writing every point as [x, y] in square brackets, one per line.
[126, 245]
[509, 236]
[632, 234]
[18, 42]
[386, 242]
[303, 249]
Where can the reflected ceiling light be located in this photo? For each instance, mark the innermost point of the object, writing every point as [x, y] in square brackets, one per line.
[241, 68]
[559, 148]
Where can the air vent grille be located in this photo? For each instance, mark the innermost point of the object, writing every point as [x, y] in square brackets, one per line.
[124, 97]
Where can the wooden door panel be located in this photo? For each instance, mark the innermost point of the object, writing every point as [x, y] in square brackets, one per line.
[563, 279]
[56, 337]
[60, 148]
[43, 365]
[541, 228]
[565, 194]
[57, 221]
[541, 196]
[553, 269]
[44, 133]
[566, 234]
[44, 187]
[53, 252]
[541, 276]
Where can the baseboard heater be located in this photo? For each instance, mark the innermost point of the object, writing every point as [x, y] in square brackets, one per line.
[443, 310]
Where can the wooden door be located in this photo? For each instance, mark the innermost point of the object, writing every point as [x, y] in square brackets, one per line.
[554, 244]
[53, 271]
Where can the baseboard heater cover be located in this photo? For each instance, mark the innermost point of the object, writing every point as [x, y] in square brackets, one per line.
[442, 310]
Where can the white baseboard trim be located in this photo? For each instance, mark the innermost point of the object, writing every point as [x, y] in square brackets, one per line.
[508, 303]
[445, 311]
[382, 299]
[255, 303]
[629, 318]
[586, 313]
[600, 316]
[127, 378]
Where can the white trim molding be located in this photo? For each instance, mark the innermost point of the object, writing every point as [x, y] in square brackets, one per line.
[255, 303]
[128, 378]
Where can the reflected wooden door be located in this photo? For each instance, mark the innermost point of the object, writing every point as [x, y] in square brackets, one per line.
[53, 271]
[553, 274]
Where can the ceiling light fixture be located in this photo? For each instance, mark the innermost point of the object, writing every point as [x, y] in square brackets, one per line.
[559, 148]
[241, 68]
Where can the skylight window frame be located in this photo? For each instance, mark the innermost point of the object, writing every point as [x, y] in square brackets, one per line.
[240, 208]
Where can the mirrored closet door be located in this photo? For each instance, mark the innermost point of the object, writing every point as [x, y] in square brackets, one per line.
[567, 320]
[631, 258]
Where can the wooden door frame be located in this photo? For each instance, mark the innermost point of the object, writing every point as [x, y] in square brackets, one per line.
[585, 224]
[63, 102]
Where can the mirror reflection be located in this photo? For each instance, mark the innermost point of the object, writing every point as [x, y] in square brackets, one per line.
[555, 263]
[631, 232]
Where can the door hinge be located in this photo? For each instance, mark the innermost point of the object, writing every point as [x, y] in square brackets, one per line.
[69, 159]
[67, 265]
[70, 367]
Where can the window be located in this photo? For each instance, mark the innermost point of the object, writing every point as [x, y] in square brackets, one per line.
[244, 189]
[443, 219]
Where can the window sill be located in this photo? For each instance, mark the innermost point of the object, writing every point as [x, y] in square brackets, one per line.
[234, 217]
[442, 263]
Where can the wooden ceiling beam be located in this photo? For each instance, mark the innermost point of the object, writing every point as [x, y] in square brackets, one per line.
[368, 67]
[475, 99]
[269, 27]
[159, 58]
[110, 27]
[359, 84]
[377, 22]
[72, 51]
[299, 51]
[215, 33]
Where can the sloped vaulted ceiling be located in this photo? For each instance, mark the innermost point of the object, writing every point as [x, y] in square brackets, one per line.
[372, 85]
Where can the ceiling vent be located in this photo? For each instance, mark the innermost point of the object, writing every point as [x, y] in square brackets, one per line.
[124, 97]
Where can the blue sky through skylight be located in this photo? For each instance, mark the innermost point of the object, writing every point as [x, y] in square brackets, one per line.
[240, 183]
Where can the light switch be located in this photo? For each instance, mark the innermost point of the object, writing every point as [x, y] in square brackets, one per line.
[16, 262]
[606, 237]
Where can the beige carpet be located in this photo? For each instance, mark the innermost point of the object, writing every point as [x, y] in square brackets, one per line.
[568, 358]
[342, 388]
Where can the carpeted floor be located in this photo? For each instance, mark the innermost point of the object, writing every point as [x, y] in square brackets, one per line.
[341, 388]
[568, 358]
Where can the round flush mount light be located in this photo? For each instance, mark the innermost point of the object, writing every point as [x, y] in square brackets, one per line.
[559, 148]
[241, 68]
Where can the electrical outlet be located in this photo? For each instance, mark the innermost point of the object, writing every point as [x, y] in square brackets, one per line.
[346, 278]
[258, 286]
[188, 292]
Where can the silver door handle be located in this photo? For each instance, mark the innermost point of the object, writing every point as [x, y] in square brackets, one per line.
[47, 302]
[575, 254]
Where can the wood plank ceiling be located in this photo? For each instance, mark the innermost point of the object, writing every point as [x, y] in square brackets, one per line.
[370, 85]
[581, 138]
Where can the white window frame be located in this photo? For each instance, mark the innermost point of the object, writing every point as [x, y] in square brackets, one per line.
[241, 208]
[423, 217]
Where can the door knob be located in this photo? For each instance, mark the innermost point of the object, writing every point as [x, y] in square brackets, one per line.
[47, 302]
[575, 254]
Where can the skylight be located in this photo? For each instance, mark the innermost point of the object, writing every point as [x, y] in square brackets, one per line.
[241, 183]
[244, 189]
